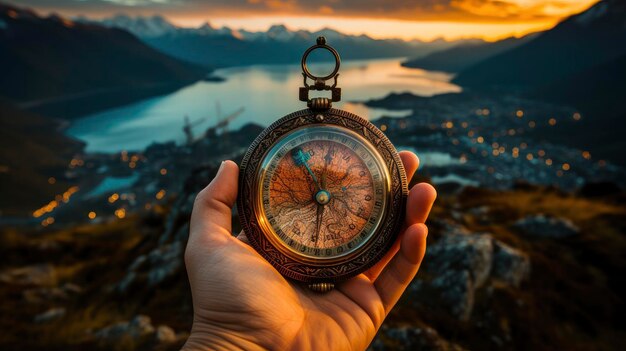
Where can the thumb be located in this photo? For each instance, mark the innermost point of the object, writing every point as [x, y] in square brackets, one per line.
[211, 218]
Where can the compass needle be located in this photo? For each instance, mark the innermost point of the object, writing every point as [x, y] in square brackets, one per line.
[302, 158]
[318, 224]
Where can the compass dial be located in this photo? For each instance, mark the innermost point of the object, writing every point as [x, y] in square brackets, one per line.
[323, 191]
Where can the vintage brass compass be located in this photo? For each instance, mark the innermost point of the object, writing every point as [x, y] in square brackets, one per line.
[322, 192]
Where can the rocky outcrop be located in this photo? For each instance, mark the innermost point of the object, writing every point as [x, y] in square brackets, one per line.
[160, 264]
[50, 315]
[460, 263]
[543, 226]
[510, 265]
[139, 329]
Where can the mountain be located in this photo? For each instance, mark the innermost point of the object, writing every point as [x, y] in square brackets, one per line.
[598, 92]
[581, 41]
[50, 57]
[143, 27]
[207, 45]
[581, 62]
[462, 56]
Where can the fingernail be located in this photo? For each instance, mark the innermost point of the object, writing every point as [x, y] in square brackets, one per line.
[219, 169]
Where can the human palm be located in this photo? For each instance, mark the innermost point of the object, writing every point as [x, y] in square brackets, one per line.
[242, 302]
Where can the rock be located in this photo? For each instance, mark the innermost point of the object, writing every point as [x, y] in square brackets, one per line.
[72, 288]
[161, 263]
[456, 293]
[136, 329]
[50, 315]
[40, 294]
[413, 338]
[460, 263]
[510, 265]
[461, 250]
[183, 233]
[546, 226]
[126, 282]
[165, 262]
[42, 274]
[165, 334]
[481, 213]
[138, 262]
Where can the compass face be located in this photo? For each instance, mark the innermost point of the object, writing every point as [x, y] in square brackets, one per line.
[322, 192]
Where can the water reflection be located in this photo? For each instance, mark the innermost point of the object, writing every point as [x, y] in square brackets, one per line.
[266, 92]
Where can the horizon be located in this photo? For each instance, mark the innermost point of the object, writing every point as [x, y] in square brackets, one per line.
[480, 19]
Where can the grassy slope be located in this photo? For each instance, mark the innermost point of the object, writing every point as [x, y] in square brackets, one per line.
[32, 150]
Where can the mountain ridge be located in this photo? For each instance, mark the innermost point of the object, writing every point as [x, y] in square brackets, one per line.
[225, 46]
[464, 55]
[579, 42]
[54, 56]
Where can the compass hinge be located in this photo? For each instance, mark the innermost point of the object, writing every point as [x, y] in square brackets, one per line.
[319, 103]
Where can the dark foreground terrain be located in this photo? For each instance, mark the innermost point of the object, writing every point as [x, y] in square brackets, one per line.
[526, 268]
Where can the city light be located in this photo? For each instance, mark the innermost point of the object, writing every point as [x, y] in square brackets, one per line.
[114, 197]
[160, 194]
[120, 213]
[52, 205]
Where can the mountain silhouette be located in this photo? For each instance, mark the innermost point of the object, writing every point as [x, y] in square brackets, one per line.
[581, 41]
[48, 57]
[226, 46]
[465, 55]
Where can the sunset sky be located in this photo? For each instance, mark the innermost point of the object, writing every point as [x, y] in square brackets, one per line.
[421, 19]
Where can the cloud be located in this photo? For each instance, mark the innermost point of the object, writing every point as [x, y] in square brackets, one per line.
[413, 10]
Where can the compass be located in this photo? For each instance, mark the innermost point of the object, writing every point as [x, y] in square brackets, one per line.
[322, 192]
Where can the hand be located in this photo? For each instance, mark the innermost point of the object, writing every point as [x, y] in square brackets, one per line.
[242, 303]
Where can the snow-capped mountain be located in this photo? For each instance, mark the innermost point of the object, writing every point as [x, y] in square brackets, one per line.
[227, 46]
[143, 27]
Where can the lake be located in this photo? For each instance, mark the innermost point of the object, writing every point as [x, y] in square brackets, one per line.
[266, 92]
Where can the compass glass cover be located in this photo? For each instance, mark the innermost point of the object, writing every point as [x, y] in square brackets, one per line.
[322, 192]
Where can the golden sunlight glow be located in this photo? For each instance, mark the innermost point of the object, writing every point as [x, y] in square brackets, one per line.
[384, 28]
[456, 19]
[489, 20]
